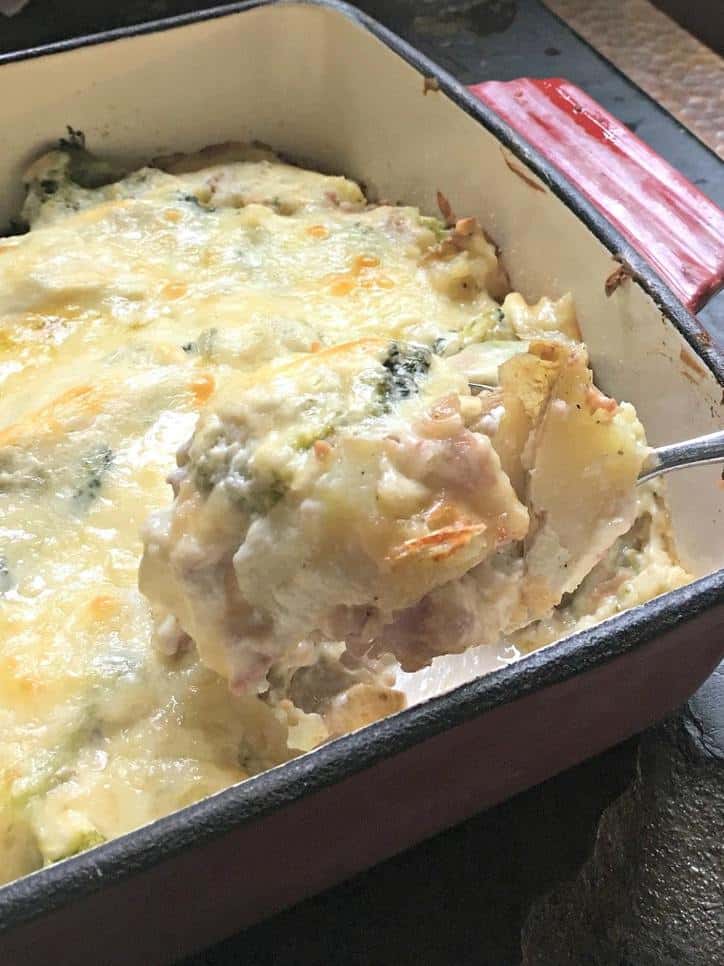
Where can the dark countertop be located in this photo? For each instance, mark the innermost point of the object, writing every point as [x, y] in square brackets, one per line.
[617, 862]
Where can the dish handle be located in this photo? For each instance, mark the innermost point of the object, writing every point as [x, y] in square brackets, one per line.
[669, 222]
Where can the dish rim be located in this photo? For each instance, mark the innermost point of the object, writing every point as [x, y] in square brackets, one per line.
[40, 892]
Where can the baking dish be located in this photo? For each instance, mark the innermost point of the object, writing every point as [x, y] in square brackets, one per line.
[326, 85]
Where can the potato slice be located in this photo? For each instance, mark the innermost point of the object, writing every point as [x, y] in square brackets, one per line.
[586, 455]
[573, 456]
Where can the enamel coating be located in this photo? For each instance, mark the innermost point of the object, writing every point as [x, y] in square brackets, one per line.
[669, 222]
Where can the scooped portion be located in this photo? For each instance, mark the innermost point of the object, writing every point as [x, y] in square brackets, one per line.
[362, 494]
[319, 498]
[573, 456]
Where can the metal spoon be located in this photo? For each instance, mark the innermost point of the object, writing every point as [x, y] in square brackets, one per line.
[690, 452]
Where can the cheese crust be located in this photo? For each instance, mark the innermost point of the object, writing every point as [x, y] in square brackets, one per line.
[289, 340]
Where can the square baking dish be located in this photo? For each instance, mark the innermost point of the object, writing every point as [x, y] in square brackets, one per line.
[328, 87]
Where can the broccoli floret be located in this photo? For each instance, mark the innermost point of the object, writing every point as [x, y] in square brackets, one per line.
[196, 202]
[490, 326]
[253, 495]
[405, 365]
[94, 465]
[220, 466]
[435, 225]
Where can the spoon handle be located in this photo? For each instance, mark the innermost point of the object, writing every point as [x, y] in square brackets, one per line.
[690, 452]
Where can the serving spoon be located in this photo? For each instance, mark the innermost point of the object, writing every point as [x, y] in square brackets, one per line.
[664, 459]
[690, 452]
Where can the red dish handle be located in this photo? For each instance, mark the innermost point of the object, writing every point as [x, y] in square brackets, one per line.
[671, 224]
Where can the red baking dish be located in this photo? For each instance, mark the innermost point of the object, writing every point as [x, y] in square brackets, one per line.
[639, 248]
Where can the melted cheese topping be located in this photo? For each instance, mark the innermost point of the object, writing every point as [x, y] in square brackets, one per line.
[125, 309]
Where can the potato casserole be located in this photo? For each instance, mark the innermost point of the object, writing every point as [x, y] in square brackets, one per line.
[344, 510]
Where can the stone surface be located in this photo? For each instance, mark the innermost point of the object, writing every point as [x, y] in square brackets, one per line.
[458, 899]
[660, 56]
[652, 892]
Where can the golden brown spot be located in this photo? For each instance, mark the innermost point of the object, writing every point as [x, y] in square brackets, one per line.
[103, 607]
[321, 449]
[598, 401]
[202, 387]
[438, 545]
[342, 286]
[55, 417]
[318, 231]
[172, 215]
[315, 346]
[174, 290]
[344, 283]
[364, 261]
[332, 352]
[377, 281]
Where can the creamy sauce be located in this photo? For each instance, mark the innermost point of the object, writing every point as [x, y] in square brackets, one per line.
[121, 312]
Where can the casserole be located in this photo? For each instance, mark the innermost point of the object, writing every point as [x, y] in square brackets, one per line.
[377, 89]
